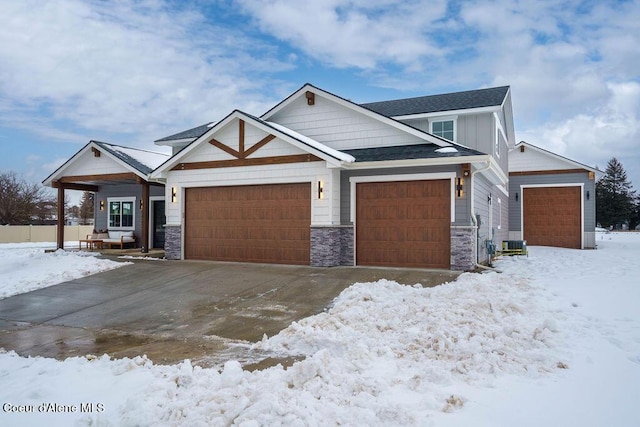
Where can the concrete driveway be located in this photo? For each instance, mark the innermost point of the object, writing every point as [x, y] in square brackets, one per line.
[173, 310]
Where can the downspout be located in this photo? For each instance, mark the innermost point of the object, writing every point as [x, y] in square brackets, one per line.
[473, 214]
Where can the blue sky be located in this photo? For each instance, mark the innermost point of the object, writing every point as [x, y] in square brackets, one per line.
[130, 72]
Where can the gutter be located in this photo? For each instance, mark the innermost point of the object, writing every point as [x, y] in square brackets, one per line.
[473, 215]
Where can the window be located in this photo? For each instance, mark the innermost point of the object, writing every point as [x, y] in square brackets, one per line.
[121, 212]
[444, 129]
[498, 142]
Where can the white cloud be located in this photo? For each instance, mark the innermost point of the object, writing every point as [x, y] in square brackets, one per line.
[130, 67]
[354, 33]
[611, 130]
[145, 69]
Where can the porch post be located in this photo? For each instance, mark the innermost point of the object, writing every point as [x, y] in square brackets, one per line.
[144, 246]
[60, 231]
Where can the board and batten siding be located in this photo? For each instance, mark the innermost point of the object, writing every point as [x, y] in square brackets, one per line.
[483, 188]
[340, 127]
[472, 130]
[516, 182]
[476, 131]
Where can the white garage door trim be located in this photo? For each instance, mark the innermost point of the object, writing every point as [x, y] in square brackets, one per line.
[395, 178]
[573, 184]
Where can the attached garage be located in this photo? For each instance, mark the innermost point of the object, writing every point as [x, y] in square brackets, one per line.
[255, 223]
[404, 223]
[552, 216]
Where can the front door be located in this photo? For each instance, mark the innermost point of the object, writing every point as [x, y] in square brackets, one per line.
[158, 224]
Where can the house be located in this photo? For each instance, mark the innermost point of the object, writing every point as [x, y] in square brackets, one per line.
[317, 180]
[552, 200]
[125, 198]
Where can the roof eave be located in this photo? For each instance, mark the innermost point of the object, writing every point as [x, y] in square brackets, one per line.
[161, 171]
[58, 172]
[356, 107]
[173, 142]
[477, 110]
[458, 160]
[557, 156]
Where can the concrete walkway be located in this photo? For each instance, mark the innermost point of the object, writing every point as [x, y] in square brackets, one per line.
[173, 310]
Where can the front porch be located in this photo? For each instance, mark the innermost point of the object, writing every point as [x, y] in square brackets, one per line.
[125, 199]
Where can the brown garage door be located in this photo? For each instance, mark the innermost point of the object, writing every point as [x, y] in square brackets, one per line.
[551, 216]
[404, 224]
[257, 223]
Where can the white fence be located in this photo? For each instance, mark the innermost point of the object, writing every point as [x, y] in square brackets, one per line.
[41, 233]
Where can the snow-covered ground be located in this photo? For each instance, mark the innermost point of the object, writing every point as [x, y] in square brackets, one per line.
[26, 267]
[553, 340]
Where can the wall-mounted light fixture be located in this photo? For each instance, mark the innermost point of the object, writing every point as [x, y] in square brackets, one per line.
[141, 204]
[516, 197]
[587, 194]
[489, 198]
[174, 194]
[320, 190]
[101, 205]
[459, 187]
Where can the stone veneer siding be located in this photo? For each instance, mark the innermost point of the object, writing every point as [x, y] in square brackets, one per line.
[331, 246]
[463, 254]
[172, 242]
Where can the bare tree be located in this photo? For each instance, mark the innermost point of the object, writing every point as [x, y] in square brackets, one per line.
[20, 201]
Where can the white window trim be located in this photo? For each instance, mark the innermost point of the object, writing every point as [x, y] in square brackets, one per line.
[499, 213]
[499, 131]
[454, 119]
[121, 199]
[395, 178]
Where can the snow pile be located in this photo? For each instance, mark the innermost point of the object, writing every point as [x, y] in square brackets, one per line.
[554, 340]
[25, 269]
[480, 324]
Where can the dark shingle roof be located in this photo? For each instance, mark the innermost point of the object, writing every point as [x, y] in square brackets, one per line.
[406, 152]
[195, 132]
[446, 102]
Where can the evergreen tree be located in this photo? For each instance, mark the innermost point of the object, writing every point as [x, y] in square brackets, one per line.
[615, 197]
[86, 207]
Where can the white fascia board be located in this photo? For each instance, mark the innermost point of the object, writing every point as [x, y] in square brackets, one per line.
[60, 171]
[310, 142]
[357, 108]
[466, 111]
[268, 128]
[418, 162]
[557, 156]
[122, 163]
[500, 177]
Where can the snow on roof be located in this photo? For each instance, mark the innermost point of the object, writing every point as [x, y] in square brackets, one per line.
[313, 143]
[149, 160]
[447, 150]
